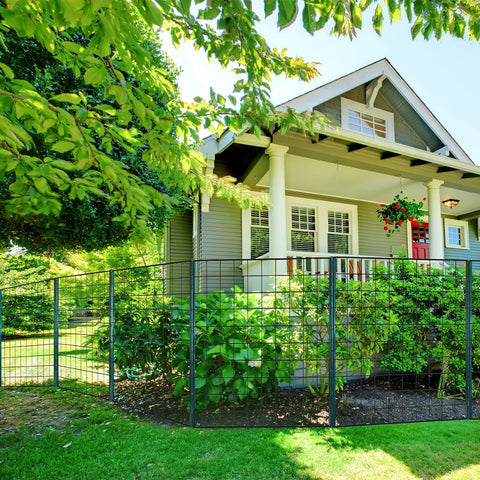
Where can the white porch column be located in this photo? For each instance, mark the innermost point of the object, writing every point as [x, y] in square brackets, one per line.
[435, 227]
[278, 209]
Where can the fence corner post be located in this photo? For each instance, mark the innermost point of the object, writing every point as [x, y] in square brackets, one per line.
[111, 333]
[332, 402]
[468, 339]
[192, 418]
[56, 304]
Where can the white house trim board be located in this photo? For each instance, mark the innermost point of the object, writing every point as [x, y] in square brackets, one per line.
[372, 90]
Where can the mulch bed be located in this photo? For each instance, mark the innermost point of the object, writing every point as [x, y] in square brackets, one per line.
[361, 402]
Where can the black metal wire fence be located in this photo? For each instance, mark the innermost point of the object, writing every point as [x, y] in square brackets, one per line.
[287, 342]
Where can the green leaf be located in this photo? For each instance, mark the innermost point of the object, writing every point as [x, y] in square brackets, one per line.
[63, 146]
[287, 13]
[94, 75]
[356, 14]
[8, 71]
[200, 382]
[67, 98]
[309, 18]
[228, 373]
[270, 6]
[378, 19]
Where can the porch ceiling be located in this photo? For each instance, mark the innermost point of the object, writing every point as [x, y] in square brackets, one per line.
[373, 172]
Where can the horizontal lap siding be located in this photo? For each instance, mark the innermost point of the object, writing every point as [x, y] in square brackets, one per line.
[179, 249]
[221, 238]
[373, 240]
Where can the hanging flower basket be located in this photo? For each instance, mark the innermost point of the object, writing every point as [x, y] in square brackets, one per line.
[395, 214]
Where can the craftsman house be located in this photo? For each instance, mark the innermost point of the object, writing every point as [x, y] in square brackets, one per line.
[325, 191]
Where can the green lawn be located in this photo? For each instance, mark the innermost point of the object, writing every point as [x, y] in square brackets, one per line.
[30, 358]
[53, 434]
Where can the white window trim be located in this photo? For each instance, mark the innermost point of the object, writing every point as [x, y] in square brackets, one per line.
[449, 222]
[347, 104]
[195, 221]
[321, 217]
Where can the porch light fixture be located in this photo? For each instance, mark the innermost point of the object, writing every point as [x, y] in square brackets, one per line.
[451, 202]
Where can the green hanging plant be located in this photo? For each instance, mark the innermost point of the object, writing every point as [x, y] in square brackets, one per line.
[399, 211]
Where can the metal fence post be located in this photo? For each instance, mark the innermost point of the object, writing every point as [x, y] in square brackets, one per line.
[111, 339]
[56, 302]
[1, 337]
[332, 403]
[468, 338]
[192, 345]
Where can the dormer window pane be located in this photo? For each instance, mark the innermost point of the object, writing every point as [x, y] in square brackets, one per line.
[367, 124]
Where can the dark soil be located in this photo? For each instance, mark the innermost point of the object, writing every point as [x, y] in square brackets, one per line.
[376, 401]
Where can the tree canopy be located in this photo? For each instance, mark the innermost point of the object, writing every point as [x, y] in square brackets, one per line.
[102, 43]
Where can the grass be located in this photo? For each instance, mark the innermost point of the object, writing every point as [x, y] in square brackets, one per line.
[50, 433]
[29, 358]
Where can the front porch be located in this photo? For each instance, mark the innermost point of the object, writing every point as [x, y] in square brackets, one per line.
[324, 196]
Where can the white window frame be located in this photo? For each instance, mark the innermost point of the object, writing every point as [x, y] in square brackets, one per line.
[347, 104]
[464, 232]
[321, 219]
[195, 221]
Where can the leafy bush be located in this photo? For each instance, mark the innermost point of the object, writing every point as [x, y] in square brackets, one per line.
[430, 307]
[362, 324]
[242, 347]
[26, 313]
[142, 336]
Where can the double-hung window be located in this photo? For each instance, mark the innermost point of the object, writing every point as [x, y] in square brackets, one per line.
[375, 122]
[303, 231]
[456, 234]
[259, 232]
[339, 232]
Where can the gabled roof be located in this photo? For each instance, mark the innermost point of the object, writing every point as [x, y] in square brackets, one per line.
[383, 67]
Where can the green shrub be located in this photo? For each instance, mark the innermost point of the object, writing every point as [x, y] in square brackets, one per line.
[362, 323]
[430, 307]
[26, 313]
[242, 347]
[143, 337]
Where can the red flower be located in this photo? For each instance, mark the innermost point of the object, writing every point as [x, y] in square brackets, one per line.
[397, 206]
[424, 198]
[410, 218]
[387, 220]
[399, 222]
[382, 205]
[403, 210]
[415, 223]
[385, 227]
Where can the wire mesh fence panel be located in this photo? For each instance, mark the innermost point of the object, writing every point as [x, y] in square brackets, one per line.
[151, 322]
[254, 365]
[83, 306]
[475, 343]
[303, 341]
[27, 340]
[401, 344]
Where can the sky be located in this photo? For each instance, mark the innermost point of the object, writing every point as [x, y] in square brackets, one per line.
[444, 73]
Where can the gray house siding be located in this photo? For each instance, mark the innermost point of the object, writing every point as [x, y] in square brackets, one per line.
[372, 238]
[179, 249]
[220, 238]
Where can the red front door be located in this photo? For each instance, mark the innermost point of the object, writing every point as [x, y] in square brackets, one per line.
[420, 240]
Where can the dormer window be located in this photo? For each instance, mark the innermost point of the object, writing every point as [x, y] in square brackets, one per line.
[375, 122]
